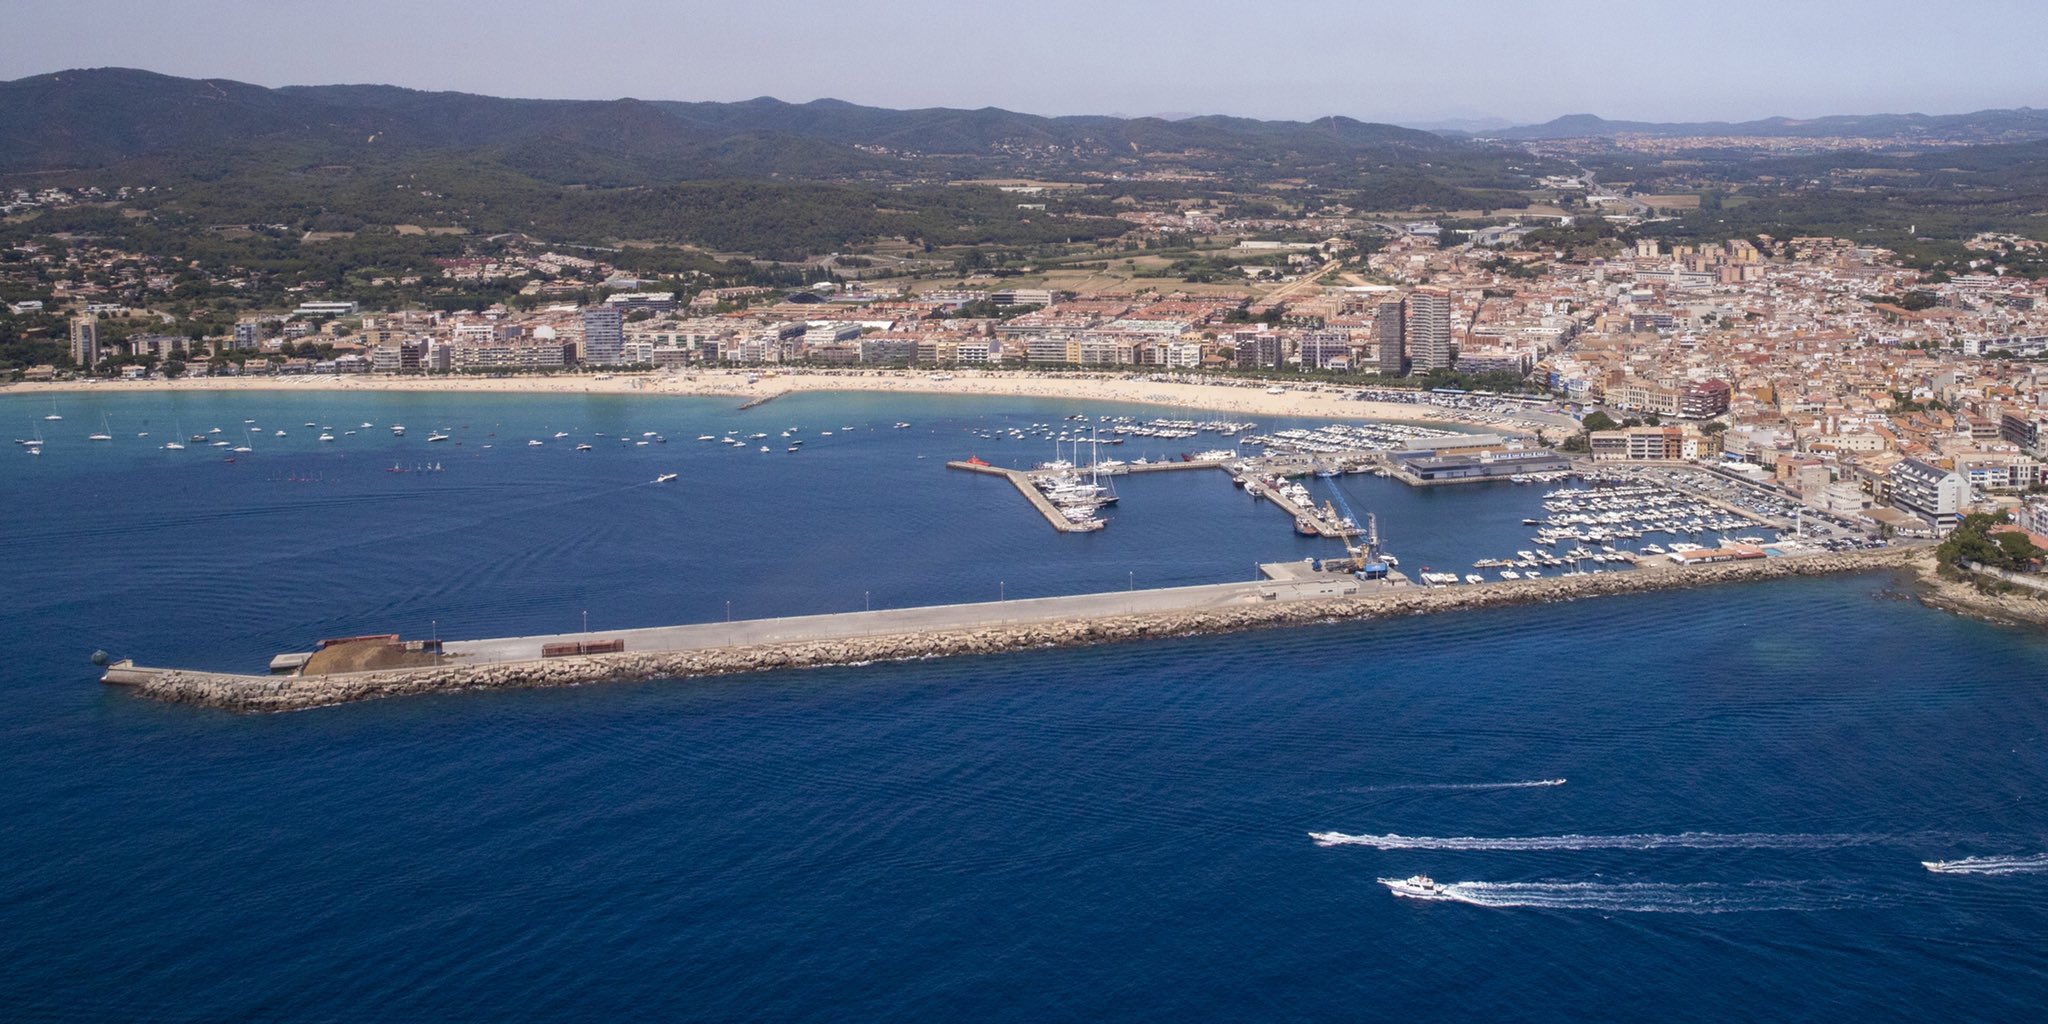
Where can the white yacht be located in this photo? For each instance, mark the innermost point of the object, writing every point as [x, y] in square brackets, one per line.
[1421, 887]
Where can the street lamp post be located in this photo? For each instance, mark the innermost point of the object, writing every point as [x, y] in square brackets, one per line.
[586, 620]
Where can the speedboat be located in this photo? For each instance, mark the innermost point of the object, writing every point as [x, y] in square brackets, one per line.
[1421, 887]
[665, 478]
[582, 447]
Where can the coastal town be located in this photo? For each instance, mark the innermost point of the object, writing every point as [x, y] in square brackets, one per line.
[1873, 395]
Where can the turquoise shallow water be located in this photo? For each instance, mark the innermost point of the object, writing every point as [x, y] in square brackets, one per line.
[1754, 774]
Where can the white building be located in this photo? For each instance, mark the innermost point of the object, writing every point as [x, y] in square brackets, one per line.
[1930, 492]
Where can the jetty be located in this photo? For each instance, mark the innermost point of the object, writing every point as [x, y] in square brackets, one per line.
[1026, 482]
[713, 649]
[1032, 494]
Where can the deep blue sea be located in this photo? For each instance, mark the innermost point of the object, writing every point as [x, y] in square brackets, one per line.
[1753, 775]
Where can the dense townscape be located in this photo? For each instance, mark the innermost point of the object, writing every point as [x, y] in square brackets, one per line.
[1867, 389]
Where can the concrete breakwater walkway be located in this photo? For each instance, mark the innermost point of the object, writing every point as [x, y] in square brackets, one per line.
[946, 631]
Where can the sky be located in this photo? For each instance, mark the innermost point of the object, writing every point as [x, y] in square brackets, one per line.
[1418, 61]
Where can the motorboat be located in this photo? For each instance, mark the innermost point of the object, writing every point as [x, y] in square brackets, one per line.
[1421, 887]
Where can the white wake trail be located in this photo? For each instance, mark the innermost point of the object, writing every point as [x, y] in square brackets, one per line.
[1440, 787]
[1989, 865]
[1638, 897]
[1645, 841]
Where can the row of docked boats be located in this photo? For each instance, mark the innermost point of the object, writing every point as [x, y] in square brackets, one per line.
[1338, 438]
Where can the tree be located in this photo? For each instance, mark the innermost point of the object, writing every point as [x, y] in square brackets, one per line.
[1973, 541]
[174, 368]
[1713, 427]
[1597, 420]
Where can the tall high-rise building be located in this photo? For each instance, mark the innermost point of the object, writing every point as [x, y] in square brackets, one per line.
[1391, 337]
[85, 340]
[1429, 329]
[604, 336]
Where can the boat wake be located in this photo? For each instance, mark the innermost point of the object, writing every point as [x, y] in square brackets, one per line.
[1638, 897]
[1682, 840]
[1989, 865]
[1443, 787]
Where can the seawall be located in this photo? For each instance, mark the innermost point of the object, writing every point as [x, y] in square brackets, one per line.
[246, 693]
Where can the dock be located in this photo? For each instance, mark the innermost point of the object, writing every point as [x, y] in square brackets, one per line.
[1322, 524]
[1032, 494]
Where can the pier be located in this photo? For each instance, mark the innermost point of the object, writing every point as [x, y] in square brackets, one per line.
[1322, 524]
[1032, 494]
[712, 649]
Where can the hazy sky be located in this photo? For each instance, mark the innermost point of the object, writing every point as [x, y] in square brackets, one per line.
[1418, 60]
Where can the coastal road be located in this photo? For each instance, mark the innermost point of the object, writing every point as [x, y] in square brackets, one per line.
[931, 618]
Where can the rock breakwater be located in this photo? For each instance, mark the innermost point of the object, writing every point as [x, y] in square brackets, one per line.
[245, 693]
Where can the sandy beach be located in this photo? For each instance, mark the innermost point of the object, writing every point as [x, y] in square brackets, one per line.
[1246, 398]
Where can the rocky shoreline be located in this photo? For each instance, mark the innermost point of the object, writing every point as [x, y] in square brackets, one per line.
[1959, 596]
[253, 694]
